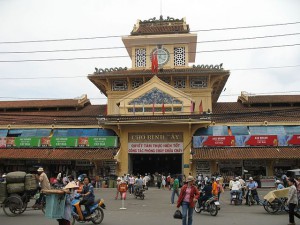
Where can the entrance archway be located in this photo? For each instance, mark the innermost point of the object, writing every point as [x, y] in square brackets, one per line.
[152, 163]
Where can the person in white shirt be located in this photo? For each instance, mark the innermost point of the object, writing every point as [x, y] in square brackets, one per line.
[236, 186]
[243, 183]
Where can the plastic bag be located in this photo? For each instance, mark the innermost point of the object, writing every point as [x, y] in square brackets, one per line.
[177, 214]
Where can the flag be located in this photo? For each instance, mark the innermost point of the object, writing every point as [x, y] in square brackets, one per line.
[154, 65]
[163, 108]
[143, 107]
[133, 110]
[153, 106]
[105, 110]
[192, 106]
[200, 108]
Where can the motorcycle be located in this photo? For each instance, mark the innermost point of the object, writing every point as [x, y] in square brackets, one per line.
[96, 209]
[235, 198]
[139, 193]
[212, 206]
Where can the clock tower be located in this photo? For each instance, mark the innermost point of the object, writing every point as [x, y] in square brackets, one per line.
[156, 115]
[175, 47]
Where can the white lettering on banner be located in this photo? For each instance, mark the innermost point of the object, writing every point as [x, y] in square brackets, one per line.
[157, 148]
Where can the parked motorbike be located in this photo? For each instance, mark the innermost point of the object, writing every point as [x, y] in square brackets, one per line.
[80, 215]
[212, 206]
[139, 193]
[235, 198]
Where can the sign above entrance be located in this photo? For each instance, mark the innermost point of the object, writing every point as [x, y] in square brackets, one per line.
[155, 143]
[155, 137]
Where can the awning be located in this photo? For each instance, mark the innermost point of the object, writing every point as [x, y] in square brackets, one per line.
[247, 153]
[58, 154]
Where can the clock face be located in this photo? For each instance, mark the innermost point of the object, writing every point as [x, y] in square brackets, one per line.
[163, 56]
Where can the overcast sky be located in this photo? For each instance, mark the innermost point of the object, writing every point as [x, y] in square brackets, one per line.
[32, 20]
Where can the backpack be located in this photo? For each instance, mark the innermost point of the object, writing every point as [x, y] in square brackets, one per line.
[123, 187]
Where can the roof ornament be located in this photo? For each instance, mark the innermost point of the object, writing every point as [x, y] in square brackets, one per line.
[217, 67]
[106, 70]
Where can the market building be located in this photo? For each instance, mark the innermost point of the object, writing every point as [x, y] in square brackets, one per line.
[167, 120]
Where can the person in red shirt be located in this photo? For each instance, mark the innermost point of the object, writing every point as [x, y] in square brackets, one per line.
[189, 195]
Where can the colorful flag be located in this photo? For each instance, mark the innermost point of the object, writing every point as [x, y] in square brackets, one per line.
[200, 108]
[192, 106]
[133, 108]
[163, 108]
[154, 65]
[105, 110]
[143, 107]
[153, 106]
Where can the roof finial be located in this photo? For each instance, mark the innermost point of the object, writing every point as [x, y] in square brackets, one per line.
[161, 15]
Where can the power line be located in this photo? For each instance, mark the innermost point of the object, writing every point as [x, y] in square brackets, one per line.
[120, 47]
[117, 36]
[71, 77]
[105, 98]
[125, 56]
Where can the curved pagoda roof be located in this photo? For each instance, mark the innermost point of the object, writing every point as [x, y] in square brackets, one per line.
[160, 26]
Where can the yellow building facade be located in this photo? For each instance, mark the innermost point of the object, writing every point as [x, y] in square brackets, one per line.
[156, 115]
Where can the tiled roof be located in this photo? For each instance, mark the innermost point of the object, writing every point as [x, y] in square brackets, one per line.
[237, 112]
[261, 99]
[58, 154]
[160, 26]
[173, 71]
[247, 153]
[44, 103]
[82, 116]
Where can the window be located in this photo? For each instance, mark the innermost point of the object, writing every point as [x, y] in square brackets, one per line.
[179, 56]
[140, 57]
[200, 82]
[136, 83]
[179, 83]
[119, 85]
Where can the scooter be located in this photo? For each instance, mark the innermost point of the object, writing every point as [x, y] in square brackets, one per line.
[235, 198]
[139, 193]
[96, 209]
[212, 206]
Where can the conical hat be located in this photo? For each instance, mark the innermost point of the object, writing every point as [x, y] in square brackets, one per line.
[71, 185]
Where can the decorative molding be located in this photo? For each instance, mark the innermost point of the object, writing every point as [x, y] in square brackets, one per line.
[161, 19]
[106, 70]
[217, 67]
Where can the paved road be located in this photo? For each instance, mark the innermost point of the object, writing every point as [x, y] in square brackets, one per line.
[156, 209]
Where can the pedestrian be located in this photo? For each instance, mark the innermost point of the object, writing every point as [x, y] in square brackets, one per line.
[175, 190]
[44, 185]
[284, 179]
[131, 184]
[67, 217]
[163, 182]
[159, 180]
[220, 188]
[122, 188]
[278, 185]
[119, 180]
[189, 195]
[292, 201]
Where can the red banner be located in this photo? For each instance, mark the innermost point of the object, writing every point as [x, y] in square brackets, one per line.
[262, 140]
[295, 140]
[219, 141]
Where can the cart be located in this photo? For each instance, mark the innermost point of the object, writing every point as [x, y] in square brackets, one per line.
[15, 204]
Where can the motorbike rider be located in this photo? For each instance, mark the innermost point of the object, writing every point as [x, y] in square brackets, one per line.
[138, 185]
[88, 196]
[206, 193]
[236, 187]
[252, 186]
